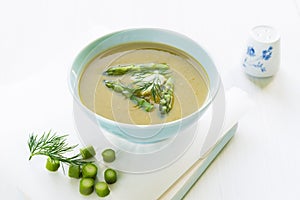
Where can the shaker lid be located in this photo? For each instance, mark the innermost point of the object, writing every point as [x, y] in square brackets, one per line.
[265, 34]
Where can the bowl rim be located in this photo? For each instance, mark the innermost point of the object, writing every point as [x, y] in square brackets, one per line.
[205, 105]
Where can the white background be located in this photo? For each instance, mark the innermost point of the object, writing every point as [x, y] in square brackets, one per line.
[39, 40]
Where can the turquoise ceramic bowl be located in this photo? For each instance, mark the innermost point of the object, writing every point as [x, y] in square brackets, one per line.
[145, 133]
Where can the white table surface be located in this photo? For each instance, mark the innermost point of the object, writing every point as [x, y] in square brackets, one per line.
[39, 40]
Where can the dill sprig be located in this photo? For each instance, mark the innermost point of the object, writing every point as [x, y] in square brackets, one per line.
[53, 146]
[152, 84]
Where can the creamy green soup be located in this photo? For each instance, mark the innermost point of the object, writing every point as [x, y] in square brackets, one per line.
[189, 80]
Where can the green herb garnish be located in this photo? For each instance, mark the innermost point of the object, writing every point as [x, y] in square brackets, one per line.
[118, 87]
[152, 85]
[54, 147]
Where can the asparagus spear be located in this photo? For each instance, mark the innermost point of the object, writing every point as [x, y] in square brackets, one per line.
[123, 69]
[129, 93]
[167, 97]
[152, 84]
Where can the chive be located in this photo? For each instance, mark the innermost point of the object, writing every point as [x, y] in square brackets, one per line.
[89, 170]
[86, 186]
[52, 165]
[102, 189]
[110, 176]
[108, 155]
[87, 152]
[74, 171]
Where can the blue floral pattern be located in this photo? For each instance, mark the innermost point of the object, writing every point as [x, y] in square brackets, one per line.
[250, 51]
[252, 60]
